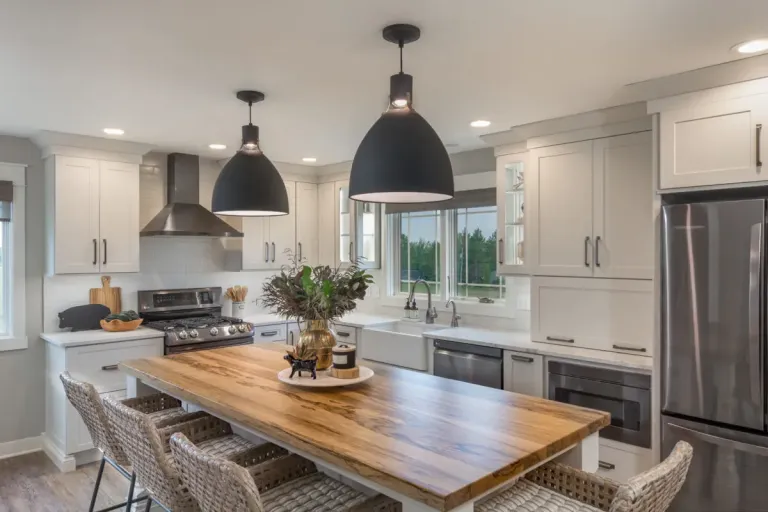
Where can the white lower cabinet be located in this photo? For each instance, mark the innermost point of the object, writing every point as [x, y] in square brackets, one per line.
[66, 439]
[603, 314]
[524, 373]
[620, 461]
[271, 333]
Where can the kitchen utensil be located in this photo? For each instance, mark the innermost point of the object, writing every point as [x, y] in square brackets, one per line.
[106, 295]
[324, 379]
[83, 318]
[120, 326]
[237, 293]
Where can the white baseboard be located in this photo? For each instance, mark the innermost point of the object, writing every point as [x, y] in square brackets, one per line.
[20, 447]
[64, 462]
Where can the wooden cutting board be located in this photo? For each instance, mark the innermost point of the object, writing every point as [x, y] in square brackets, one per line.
[107, 295]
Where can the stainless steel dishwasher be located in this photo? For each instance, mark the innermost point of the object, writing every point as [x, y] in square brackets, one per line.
[475, 364]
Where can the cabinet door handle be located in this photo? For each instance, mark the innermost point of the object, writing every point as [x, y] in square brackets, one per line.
[266, 252]
[105, 251]
[501, 251]
[95, 250]
[351, 259]
[586, 251]
[521, 359]
[291, 333]
[758, 133]
[597, 251]
[606, 465]
[299, 251]
[269, 333]
[273, 252]
[342, 334]
[560, 338]
[109, 367]
[629, 347]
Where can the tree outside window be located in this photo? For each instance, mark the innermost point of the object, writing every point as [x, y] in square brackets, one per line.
[420, 250]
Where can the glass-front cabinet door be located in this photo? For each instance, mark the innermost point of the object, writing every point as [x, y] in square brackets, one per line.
[358, 230]
[345, 225]
[510, 200]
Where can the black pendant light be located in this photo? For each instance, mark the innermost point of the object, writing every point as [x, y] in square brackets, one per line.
[249, 185]
[401, 159]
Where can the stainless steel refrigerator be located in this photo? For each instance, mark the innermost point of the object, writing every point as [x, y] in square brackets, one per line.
[714, 351]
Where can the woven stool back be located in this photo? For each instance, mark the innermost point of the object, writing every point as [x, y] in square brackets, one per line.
[87, 402]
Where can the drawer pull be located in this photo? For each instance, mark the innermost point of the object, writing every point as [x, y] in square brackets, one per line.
[269, 333]
[560, 338]
[109, 367]
[627, 347]
[521, 359]
[606, 465]
[342, 334]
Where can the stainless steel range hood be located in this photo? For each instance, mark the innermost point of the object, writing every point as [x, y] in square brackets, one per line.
[183, 215]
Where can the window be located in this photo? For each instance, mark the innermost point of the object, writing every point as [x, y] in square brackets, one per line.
[419, 250]
[12, 264]
[475, 254]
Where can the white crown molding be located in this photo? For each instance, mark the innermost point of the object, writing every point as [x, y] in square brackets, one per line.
[723, 93]
[68, 144]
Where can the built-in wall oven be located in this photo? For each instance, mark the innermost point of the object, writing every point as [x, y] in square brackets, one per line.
[625, 395]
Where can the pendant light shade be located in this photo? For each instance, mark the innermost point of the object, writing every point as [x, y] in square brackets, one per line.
[401, 159]
[249, 184]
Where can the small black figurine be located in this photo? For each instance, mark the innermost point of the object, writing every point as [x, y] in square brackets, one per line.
[300, 365]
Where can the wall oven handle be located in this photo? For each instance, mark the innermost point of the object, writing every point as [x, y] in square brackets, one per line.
[109, 367]
[758, 133]
[561, 339]
[269, 333]
[521, 359]
[721, 441]
[606, 465]
[630, 347]
[586, 251]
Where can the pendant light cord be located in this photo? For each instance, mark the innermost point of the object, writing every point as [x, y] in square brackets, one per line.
[250, 112]
[400, 44]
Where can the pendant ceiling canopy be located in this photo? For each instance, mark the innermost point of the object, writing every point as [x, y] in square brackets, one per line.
[401, 159]
[249, 184]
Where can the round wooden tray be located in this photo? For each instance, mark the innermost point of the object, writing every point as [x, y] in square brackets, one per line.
[324, 379]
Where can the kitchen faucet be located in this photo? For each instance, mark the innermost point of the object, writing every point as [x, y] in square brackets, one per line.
[431, 311]
[454, 318]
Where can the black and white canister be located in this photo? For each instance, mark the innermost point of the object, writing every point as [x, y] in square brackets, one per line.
[344, 357]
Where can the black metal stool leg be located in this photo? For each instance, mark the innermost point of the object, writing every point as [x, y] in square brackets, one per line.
[149, 505]
[96, 487]
[130, 493]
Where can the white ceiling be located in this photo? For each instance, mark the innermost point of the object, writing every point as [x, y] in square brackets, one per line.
[166, 70]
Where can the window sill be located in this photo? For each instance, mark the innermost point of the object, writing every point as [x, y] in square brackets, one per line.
[8, 343]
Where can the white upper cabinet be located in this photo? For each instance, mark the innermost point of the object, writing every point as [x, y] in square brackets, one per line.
[257, 251]
[510, 201]
[367, 234]
[306, 223]
[713, 143]
[267, 239]
[326, 219]
[119, 216]
[561, 210]
[623, 217]
[93, 217]
[345, 224]
[590, 208]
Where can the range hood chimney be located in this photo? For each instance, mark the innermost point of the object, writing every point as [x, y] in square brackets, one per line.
[183, 215]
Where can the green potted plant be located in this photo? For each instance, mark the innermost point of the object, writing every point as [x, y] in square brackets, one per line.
[318, 296]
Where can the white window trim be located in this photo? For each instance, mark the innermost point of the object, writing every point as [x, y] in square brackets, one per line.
[17, 298]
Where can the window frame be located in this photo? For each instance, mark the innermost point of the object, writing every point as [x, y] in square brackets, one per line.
[15, 265]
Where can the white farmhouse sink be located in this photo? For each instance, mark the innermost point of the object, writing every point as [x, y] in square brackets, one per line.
[398, 343]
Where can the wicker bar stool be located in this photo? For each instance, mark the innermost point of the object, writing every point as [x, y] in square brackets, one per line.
[86, 401]
[558, 488]
[146, 445]
[248, 484]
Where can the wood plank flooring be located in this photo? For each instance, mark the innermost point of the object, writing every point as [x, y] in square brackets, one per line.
[32, 483]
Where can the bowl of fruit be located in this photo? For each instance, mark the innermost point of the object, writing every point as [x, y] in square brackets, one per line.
[120, 322]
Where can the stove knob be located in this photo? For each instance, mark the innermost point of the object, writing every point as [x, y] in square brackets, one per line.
[232, 329]
[193, 333]
[214, 331]
[182, 335]
[242, 327]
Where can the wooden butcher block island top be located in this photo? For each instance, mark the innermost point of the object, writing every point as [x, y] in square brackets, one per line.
[438, 441]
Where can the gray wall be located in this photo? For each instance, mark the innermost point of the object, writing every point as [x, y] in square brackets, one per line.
[22, 372]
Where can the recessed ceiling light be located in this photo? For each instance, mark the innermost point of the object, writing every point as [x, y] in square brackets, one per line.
[754, 46]
[113, 131]
[309, 159]
[480, 123]
[217, 146]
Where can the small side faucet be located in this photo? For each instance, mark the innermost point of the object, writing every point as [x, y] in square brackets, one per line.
[454, 318]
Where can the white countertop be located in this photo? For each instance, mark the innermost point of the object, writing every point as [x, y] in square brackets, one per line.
[353, 319]
[98, 336]
[261, 319]
[521, 341]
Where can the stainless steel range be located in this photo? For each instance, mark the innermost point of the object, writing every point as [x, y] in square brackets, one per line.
[191, 319]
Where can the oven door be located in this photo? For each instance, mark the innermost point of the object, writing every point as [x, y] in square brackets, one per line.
[630, 407]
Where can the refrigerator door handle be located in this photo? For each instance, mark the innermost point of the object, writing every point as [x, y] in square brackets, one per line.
[722, 441]
[755, 263]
